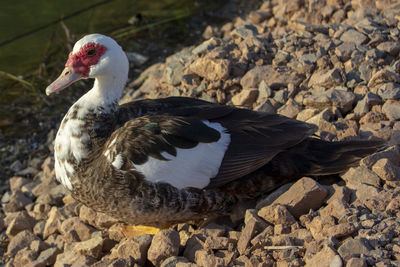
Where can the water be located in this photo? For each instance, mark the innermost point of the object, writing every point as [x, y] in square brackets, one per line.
[48, 29]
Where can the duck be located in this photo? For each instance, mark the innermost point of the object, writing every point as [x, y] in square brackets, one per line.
[158, 162]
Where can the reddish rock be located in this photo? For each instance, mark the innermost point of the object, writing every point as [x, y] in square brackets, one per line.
[18, 201]
[193, 245]
[91, 247]
[71, 258]
[136, 248]
[356, 262]
[16, 183]
[341, 230]
[218, 242]
[302, 196]
[273, 76]
[385, 169]
[164, 245]
[21, 222]
[336, 208]
[253, 227]
[46, 258]
[211, 68]
[276, 214]
[53, 223]
[245, 97]
[21, 240]
[74, 229]
[25, 257]
[322, 258]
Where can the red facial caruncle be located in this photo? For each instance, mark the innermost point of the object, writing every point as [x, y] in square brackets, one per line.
[87, 56]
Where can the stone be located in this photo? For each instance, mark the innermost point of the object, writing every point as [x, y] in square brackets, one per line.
[385, 169]
[91, 247]
[390, 47]
[173, 261]
[383, 76]
[336, 208]
[290, 109]
[244, 31]
[322, 258]
[276, 214]
[392, 109]
[259, 16]
[211, 68]
[353, 36]
[20, 241]
[136, 248]
[345, 50]
[164, 245]
[18, 201]
[331, 98]
[193, 244]
[53, 223]
[71, 258]
[306, 114]
[390, 91]
[24, 257]
[274, 77]
[245, 97]
[253, 227]
[74, 229]
[361, 174]
[354, 247]
[356, 262]
[340, 230]
[326, 78]
[302, 196]
[16, 183]
[319, 225]
[217, 242]
[46, 257]
[21, 222]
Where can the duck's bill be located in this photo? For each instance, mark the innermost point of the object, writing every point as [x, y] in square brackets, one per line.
[67, 77]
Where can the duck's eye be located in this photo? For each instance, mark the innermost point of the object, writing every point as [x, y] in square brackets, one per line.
[91, 52]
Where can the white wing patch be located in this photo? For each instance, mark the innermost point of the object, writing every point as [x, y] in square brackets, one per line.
[191, 167]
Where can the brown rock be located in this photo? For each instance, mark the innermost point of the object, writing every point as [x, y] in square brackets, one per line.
[217, 242]
[340, 230]
[245, 97]
[24, 257]
[21, 222]
[2, 225]
[383, 76]
[322, 258]
[164, 245]
[341, 193]
[46, 258]
[356, 262]
[56, 241]
[193, 245]
[253, 227]
[104, 220]
[361, 175]
[275, 77]
[336, 208]
[385, 169]
[38, 245]
[341, 99]
[206, 258]
[262, 237]
[392, 48]
[17, 202]
[91, 247]
[276, 214]
[71, 258]
[20, 241]
[74, 229]
[319, 226]
[326, 78]
[211, 69]
[53, 223]
[392, 153]
[304, 195]
[290, 109]
[16, 183]
[136, 248]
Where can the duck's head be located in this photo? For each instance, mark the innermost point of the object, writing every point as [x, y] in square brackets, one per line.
[93, 56]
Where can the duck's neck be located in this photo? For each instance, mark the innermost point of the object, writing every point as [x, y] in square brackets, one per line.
[73, 142]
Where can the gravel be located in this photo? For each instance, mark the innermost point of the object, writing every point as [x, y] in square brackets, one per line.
[331, 63]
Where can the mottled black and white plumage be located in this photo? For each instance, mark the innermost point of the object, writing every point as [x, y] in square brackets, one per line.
[163, 161]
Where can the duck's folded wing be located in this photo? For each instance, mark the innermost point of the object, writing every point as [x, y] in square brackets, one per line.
[194, 152]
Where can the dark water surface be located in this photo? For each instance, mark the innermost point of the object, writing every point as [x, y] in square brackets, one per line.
[36, 36]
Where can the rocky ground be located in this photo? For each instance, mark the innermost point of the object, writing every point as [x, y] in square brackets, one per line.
[334, 63]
